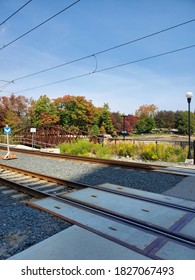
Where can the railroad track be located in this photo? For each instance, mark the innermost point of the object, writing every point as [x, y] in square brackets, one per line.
[38, 185]
[27, 184]
[158, 232]
[184, 171]
[151, 224]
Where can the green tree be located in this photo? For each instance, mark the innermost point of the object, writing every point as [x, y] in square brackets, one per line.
[95, 131]
[183, 123]
[145, 125]
[165, 119]
[104, 119]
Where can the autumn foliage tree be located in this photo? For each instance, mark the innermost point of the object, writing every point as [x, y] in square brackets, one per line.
[130, 123]
[14, 111]
[74, 111]
[44, 112]
[78, 113]
[145, 116]
[146, 111]
[116, 118]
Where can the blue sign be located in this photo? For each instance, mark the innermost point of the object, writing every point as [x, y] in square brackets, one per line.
[7, 130]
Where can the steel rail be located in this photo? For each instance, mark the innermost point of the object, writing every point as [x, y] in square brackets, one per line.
[117, 217]
[176, 171]
[77, 185]
[23, 189]
[124, 164]
[104, 212]
[52, 179]
[131, 221]
[73, 184]
[152, 200]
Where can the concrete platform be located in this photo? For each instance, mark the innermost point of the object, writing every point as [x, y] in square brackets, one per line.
[185, 189]
[76, 243]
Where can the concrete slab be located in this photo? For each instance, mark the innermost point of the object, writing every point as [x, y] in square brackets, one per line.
[150, 195]
[76, 243]
[189, 228]
[180, 171]
[81, 243]
[185, 189]
[151, 213]
[125, 234]
[173, 251]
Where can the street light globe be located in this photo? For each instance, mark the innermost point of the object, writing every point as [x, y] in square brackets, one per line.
[189, 94]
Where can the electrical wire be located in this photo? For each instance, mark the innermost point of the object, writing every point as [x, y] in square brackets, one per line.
[3, 22]
[104, 51]
[52, 68]
[146, 36]
[109, 68]
[146, 58]
[7, 83]
[39, 25]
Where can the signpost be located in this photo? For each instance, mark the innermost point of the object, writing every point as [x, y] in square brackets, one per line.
[33, 130]
[7, 132]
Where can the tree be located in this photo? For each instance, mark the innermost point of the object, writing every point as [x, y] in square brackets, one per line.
[165, 119]
[75, 111]
[145, 125]
[95, 131]
[44, 112]
[104, 119]
[116, 121]
[178, 115]
[146, 111]
[130, 123]
[14, 111]
[183, 123]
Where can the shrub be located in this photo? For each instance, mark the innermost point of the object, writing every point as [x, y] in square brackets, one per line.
[123, 149]
[150, 151]
[103, 151]
[163, 152]
[77, 147]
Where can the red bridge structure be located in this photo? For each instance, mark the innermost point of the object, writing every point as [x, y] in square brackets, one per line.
[47, 136]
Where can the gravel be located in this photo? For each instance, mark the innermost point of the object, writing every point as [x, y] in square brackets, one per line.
[94, 174]
[22, 226]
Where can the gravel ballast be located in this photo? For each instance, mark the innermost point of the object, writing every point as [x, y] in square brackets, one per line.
[22, 226]
[94, 174]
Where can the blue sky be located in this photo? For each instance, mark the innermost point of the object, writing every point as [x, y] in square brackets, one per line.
[91, 26]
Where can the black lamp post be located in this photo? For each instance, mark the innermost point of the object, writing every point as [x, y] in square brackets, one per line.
[124, 127]
[189, 97]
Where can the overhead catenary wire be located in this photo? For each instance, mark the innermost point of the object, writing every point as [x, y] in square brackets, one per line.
[146, 58]
[37, 26]
[4, 86]
[7, 83]
[4, 21]
[106, 50]
[109, 68]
